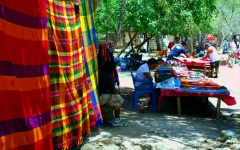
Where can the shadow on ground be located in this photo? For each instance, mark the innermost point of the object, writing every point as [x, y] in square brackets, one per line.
[196, 128]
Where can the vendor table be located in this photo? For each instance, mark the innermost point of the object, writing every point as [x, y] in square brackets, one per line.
[194, 64]
[225, 97]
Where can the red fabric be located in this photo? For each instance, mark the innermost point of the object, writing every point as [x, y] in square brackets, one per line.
[229, 100]
[24, 47]
[170, 45]
[200, 63]
[210, 37]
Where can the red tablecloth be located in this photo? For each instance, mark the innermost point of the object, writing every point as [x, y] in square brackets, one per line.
[192, 62]
[226, 98]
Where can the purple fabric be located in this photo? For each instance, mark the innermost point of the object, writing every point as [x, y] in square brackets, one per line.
[22, 19]
[24, 124]
[20, 71]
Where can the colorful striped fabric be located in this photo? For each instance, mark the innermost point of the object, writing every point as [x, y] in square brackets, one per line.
[73, 77]
[25, 114]
[90, 54]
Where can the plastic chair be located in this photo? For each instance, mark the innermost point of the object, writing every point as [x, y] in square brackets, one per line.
[148, 89]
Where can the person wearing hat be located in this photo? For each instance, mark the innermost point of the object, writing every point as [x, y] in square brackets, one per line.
[177, 50]
[212, 54]
[210, 39]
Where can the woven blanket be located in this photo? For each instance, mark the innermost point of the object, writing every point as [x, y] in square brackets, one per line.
[72, 54]
[195, 79]
[90, 55]
[25, 114]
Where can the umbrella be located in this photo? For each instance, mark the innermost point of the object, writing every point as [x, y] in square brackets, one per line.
[210, 37]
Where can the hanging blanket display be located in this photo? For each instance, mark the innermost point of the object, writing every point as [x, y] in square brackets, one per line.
[105, 53]
[25, 110]
[90, 54]
[73, 113]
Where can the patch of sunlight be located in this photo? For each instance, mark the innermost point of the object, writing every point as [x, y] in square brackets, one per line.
[102, 136]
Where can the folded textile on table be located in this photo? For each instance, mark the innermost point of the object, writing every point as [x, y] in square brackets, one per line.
[170, 83]
[222, 93]
[221, 90]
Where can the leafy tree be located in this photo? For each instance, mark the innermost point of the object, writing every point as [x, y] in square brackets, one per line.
[226, 22]
[106, 17]
[157, 17]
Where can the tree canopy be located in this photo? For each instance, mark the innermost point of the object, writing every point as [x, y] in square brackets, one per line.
[152, 16]
[187, 18]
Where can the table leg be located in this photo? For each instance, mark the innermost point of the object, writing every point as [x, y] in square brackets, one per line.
[204, 70]
[218, 108]
[179, 106]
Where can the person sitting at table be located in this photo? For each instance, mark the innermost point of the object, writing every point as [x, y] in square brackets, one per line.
[212, 54]
[144, 72]
[178, 50]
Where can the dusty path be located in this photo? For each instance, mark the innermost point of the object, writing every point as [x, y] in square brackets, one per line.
[196, 129]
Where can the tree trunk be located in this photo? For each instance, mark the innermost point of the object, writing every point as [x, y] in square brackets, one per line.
[157, 42]
[106, 35]
[131, 39]
[145, 37]
[120, 23]
[95, 4]
[140, 45]
[191, 39]
[123, 50]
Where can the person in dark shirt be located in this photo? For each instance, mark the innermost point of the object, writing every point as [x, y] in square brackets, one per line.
[177, 50]
[108, 93]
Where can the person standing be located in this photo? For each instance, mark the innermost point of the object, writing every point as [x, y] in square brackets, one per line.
[212, 54]
[172, 44]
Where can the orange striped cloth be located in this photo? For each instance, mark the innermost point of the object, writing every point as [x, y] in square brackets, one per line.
[25, 109]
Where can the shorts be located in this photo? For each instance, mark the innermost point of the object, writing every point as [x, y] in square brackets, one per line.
[113, 100]
[214, 64]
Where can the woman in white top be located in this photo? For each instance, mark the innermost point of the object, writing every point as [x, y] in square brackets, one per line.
[212, 54]
[144, 71]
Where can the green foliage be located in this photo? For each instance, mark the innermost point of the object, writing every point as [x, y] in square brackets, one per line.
[189, 14]
[176, 17]
[107, 15]
[226, 21]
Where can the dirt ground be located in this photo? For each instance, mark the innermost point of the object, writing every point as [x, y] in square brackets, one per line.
[197, 128]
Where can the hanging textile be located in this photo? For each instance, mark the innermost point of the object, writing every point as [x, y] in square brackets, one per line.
[73, 112]
[105, 53]
[25, 115]
[90, 53]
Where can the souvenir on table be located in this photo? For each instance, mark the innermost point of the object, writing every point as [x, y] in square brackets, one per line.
[197, 80]
[163, 72]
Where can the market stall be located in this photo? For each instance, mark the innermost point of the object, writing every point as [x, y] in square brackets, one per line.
[195, 64]
[192, 84]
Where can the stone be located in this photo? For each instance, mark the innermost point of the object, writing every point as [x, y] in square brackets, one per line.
[228, 133]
